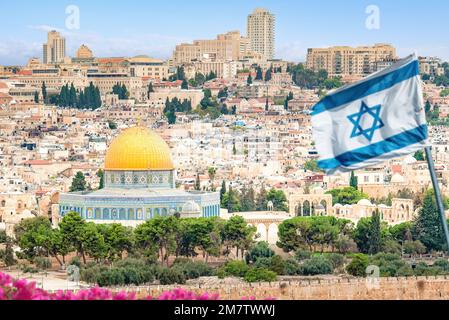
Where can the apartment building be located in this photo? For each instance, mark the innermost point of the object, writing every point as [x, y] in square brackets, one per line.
[54, 49]
[228, 46]
[349, 61]
[261, 32]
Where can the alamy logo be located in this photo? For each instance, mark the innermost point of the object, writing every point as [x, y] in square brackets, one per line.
[72, 22]
[372, 277]
[373, 20]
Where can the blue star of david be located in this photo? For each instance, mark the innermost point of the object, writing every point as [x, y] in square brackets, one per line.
[356, 120]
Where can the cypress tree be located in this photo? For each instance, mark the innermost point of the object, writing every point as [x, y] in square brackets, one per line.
[374, 234]
[44, 91]
[197, 182]
[249, 80]
[268, 74]
[427, 227]
[184, 85]
[222, 190]
[72, 96]
[259, 74]
[353, 181]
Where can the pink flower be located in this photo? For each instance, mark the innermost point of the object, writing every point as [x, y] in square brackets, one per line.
[21, 289]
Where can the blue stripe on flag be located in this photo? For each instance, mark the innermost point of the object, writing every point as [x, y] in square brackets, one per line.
[367, 88]
[374, 150]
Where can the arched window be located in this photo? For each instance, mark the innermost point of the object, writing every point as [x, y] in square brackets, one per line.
[106, 215]
[306, 211]
[122, 214]
[3, 203]
[97, 214]
[324, 204]
[131, 214]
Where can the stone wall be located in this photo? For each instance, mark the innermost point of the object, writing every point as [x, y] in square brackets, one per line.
[410, 288]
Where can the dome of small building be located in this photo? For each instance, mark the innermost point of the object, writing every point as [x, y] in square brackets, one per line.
[190, 207]
[138, 149]
[364, 202]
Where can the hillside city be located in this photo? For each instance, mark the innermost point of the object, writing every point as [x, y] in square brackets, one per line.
[233, 189]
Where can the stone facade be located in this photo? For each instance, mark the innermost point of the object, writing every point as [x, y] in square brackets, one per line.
[411, 288]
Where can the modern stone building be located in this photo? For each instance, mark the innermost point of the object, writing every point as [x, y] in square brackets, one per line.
[228, 46]
[345, 61]
[139, 185]
[261, 32]
[54, 49]
[84, 52]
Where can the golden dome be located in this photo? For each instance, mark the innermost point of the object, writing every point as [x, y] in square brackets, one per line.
[138, 148]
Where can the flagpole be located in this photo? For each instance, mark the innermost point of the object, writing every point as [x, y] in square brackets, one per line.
[437, 192]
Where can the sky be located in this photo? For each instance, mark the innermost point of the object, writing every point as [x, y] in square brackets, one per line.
[134, 27]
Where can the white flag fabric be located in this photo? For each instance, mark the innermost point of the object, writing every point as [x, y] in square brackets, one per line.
[376, 119]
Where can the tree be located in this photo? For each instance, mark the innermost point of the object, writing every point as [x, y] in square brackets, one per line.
[427, 226]
[7, 254]
[100, 174]
[278, 198]
[231, 201]
[236, 233]
[212, 172]
[93, 242]
[112, 125]
[78, 182]
[249, 80]
[150, 89]
[357, 267]
[260, 250]
[401, 232]
[353, 181]
[160, 234]
[419, 155]
[312, 165]
[185, 85]
[259, 74]
[248, 201]
[268, 74]
[36, 237]
[348, 195]
[295, 234]
[171, 117]
[261, 200]
[197, 182]
[200, 78]
[375, 234]
[44, 91]
[36, 97]
[222, 191]
[72, 229]
[118, 239]
[121, 91]
[368, 234]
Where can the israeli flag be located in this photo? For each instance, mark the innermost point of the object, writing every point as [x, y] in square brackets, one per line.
[378, 118]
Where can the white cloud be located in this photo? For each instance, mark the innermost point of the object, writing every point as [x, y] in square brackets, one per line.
[294, 51]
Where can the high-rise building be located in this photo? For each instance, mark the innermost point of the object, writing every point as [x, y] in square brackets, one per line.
[54, 49]
[345, 61]
[261, 32]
